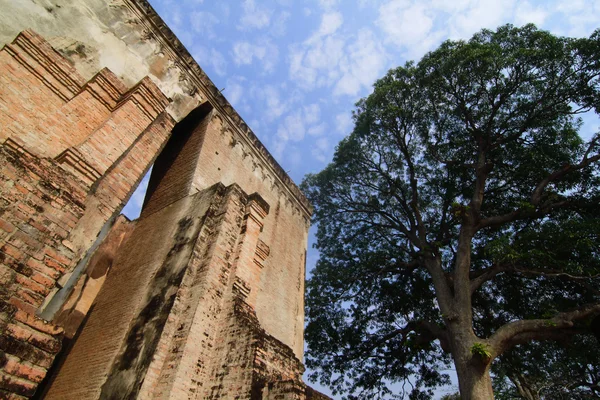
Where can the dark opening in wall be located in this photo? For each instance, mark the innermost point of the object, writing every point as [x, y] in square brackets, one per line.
[174, 168]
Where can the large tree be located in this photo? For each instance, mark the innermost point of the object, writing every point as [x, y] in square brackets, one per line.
[550, 370]
[461, 217]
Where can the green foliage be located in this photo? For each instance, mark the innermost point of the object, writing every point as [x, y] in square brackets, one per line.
[481, 350]
[564, 370]
[502, 109]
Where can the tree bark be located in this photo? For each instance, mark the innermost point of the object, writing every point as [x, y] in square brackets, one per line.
[474, 380]
[473, 370]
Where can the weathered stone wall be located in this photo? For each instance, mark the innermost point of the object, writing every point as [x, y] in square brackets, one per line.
[80, 300]
[39, 207]
[117, 345]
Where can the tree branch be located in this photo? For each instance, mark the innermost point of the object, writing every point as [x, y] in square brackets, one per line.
[536, 196]
[521, 214]
[522, 331]
[486, 275]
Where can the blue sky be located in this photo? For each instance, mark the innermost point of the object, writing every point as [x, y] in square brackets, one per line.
[294, 69]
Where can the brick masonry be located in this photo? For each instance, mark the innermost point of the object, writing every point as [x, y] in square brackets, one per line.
[203, 296]
[53, 206]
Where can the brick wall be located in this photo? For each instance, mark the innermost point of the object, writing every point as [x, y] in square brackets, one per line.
[199, 303]
[39, 207]
[227, 159]
[71, 154]
[173, 171]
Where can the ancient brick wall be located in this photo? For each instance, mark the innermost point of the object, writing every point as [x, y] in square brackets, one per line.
[71, 154]
[202, 297]
[227, 159]
[39, 207]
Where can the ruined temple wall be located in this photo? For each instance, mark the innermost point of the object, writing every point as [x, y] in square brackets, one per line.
[132, 307]
[57, 190]
[80, 123]
[97, 34]
[280, 285]
[127, 37]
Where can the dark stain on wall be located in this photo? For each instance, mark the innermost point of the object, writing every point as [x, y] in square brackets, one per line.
[128, 372]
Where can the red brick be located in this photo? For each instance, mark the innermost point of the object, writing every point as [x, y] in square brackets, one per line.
[6, 226]
[41, 340]
[21, 305]
[49, 262]
[30, 297]
[13, 252]
[37, 323]
[43, 268]
[32, 285]
[24, 369]
[43, 279]
[17, 385]
[57, 256]
[21, 189]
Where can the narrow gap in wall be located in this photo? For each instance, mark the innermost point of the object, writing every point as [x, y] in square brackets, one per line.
[134, 206]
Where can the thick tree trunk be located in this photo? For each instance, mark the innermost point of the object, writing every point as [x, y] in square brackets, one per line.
[474, 381]
[473, 371]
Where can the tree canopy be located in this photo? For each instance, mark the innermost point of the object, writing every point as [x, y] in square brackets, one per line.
[460, 220]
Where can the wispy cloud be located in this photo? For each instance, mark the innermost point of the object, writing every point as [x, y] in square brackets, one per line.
[254, 16]
[263, 50]
[328, 4]
[364, 62]
[203, 23]
[296, 125]
[320, 150]
[343, 122]
[211, 57]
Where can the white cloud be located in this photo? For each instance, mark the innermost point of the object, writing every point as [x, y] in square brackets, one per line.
[296, 125]
[367, 3]
[526, 13]
[244, 53]
[312, 113]
[235, 90]
[225, 9]
[579, 18]
[330, 23]
[211, 57]
[314, 65]
[317, 130]
[174, 18]
[279, 27]
[307, 11]
[409, 26]
[405, 24]
[203, 23]
[364, 62]
[344, 123]
[330, 58]
[320, 150]
[218, 62]
[292, 128]
[482, 14]
[328, 4]
[254, 16]
[274, 106]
